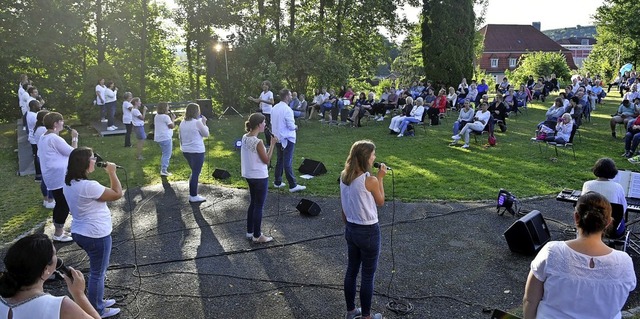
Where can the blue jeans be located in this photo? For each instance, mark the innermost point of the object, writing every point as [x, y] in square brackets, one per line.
[195, 160]
[405, 123]
[363, 243]
[166, 147]
[258, 190]
[457, 126]
[631, 141]
[98, 250]
[285, 158]
[111, 112]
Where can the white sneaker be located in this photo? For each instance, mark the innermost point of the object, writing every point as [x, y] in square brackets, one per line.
[380, 119]
[465, 146]
[110, 128]
[103, 120]
[165, 173]
[297, 188]
[49, 205]
[109, 312]
[109, 302]
[261, 239]
[278, 185]
[114, 127]
[197, 199]
[455, 137]
[400, 135]
[64, 238]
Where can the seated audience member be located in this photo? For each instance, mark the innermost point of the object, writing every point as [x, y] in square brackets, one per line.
[624, 85]
[633, 93]
[553, 114]
[538, 90]
[503, 86]
[483, 89]
[329, 103]
[632, 138]
[549, 86]
[483, 99]
[615, 82]
[473, 93]
[379, 108]
[605, 170]
[348, 95]
[575, 109]
[358, 110]
[555, 86]
[415, 116]
[28, 263]
[452, 98]
[598, 91]
[386, 106]
[530, 82]
[561, 272]
[563, 130]
[295, 102]
[521, 97]
[396, 121]
[429, 98]
[314, 107]
[480, 120]
[463, 87]
[465, 116]
[510, 100]
[626, 111]
[568, 92]
[438, 106]
[300, 111]
[499, 112]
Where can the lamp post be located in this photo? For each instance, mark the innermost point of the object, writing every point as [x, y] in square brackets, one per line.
[226, 46]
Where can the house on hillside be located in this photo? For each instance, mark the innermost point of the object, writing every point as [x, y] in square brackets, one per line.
[580, 48]
[504, 44]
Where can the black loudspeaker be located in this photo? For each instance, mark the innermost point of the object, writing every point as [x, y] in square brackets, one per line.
[307, 207]
[312, 167]
[220, 174]
[206, 108]
[528, 234]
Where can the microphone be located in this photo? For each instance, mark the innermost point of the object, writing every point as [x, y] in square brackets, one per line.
[377, 165]
[68, 128]
[104, 164]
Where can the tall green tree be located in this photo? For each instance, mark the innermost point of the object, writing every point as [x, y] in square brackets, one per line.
[448, 40]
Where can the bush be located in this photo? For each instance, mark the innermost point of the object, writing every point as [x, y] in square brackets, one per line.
[87, 110]
[540, 64]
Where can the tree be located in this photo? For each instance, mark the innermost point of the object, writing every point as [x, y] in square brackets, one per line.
[540, 64]
[448, 40]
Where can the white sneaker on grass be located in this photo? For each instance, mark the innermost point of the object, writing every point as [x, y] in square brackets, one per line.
[465, 146]
[297, 188]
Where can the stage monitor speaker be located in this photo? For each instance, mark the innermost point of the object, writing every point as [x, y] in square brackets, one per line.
[307, 207]
[220, 174]
[528, 234]
[206, 108]
[312, 167]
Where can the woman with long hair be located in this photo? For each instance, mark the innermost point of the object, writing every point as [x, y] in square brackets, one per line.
[360, 193]
[163, 135]
[254, 159]
[38, 131]
[110, 97]
[192, 132]
[583, 277]
[29, 263]
[91, 226]
[54, 152]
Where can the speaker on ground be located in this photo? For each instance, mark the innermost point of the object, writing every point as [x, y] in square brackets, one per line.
[220, 174]
[528, 234]
[312, 167]
[307, 207]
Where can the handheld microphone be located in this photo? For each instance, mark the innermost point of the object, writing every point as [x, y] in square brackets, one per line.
[62, 268]
[68, 128]
[377, 165]
[104, 164]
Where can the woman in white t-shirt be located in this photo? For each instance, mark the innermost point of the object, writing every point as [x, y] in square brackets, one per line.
[127, 118]
[39, 130]
[91, 226]
[163, 135]
[137, 120]
[192, 131]
[110, 97]
[54, 152]
[254, 159]
[28, 263]
[265, 102]
[580, 278]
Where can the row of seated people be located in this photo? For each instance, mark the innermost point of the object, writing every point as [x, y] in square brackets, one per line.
[627, 111]
[624, 82]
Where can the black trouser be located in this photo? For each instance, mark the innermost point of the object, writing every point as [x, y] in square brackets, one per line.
[127, 135]
[36, 161]
[267, 128]
[434, 114]
[61, 210]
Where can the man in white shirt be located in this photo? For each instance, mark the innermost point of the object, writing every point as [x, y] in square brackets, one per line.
[284, 128]
[265, 101]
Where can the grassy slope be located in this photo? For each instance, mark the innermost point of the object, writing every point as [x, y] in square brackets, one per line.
[425, 167]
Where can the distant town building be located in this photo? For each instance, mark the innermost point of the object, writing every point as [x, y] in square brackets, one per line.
[578, 39]
[504, 44]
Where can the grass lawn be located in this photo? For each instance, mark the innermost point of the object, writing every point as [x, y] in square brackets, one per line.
[424, 166]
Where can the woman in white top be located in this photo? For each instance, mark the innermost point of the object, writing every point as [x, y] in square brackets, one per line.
[31, 118]
[100, 100]
[29, 262]
[127, 118]
[605, 171]
[452, 97]
[138, 112]
[465, 116]
[265, 102]
[396, 121]
[110, 96]
[360, 193]
[563, 130]
[414, 117]
[39, 130]
[480, 120]
[91, 226]
[54, 152]
[254, 159]
[192, 131]
[163, 135]
[580, 278]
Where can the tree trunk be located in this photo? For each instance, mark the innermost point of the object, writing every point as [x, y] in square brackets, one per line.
[99, 42]
[198, 69]
[263, 27]
[426, 33]
[276, 18]
[292, 16]
[143, 50]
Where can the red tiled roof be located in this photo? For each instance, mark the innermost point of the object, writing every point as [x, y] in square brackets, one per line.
[514, 40]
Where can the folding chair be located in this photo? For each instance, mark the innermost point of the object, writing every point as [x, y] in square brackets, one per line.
[567, 144]
[618, 235]
[488, 128]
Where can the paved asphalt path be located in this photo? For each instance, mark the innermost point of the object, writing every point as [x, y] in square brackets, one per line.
[173, 259]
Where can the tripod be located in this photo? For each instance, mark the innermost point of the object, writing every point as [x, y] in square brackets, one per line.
[227, 109]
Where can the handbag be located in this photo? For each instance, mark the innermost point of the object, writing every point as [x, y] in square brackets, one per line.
[492, 140]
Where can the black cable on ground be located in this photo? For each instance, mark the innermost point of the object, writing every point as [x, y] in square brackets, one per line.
[136, 271]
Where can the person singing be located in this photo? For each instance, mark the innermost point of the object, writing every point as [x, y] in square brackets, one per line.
[284, 128]
[91, 226]
[28, 263]
[192, 132]
[254, 159]
[265, 102]
[360, 193]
